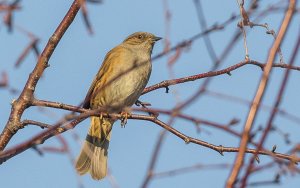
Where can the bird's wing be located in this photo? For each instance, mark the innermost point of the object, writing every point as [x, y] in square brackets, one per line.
[86, 102]
[112, 57]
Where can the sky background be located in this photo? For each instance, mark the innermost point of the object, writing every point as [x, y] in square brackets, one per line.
[77, 58]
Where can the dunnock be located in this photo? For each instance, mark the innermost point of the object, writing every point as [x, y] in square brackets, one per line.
[118, 84]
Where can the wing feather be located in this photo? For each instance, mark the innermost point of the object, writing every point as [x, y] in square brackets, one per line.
[112, 57]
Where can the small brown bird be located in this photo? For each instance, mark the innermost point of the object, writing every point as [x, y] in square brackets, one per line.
[118, 84]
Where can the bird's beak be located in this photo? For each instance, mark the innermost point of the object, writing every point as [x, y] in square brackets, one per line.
[156, 39]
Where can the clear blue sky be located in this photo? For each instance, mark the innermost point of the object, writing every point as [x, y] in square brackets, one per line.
[77, 59]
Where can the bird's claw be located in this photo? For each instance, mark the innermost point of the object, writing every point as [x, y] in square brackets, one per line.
[124, 117]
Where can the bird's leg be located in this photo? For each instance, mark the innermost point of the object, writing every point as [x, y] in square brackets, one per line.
[102, 114]
[124, 116]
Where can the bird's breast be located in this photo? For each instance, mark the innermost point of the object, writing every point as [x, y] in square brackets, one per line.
[129, 88]
[125, 90]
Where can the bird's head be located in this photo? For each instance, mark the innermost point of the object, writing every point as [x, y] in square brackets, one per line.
[142, 40]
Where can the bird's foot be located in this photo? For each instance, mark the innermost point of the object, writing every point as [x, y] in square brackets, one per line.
[124, 117]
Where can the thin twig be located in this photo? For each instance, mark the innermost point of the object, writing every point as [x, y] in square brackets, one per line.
[228, 70]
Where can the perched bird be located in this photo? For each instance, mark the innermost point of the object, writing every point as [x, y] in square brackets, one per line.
[118, 84]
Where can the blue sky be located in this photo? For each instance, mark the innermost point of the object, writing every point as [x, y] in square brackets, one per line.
[77, 59]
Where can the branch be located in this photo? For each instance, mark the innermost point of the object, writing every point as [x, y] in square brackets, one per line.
[274, 111]
[239, 161]
[18, 106]
[167, 83]
[196, 121]
[192, 168]
[60, 128]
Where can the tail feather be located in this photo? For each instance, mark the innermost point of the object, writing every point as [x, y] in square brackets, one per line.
[93, 155]
[99, 164]
[84, 159]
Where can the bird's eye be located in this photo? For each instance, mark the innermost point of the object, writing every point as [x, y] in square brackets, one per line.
[140, 36]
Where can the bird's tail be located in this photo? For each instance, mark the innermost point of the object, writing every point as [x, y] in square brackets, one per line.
[93, 155]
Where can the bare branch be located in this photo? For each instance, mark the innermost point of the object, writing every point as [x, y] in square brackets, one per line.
[274, 111]
[239, 161]
[13, 124]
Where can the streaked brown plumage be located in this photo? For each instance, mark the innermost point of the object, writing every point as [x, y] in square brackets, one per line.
[118, 84]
